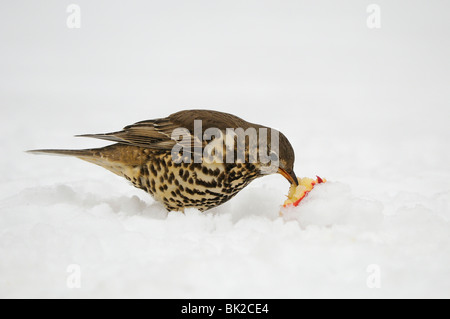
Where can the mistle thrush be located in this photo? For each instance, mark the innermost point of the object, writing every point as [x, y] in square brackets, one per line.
[144, 155]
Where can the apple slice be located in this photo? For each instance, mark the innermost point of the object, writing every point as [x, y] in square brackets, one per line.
[297, 193]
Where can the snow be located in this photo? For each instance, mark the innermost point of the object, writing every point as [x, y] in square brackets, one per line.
[366, 109]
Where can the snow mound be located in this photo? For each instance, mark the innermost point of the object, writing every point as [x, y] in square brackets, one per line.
[130, 247]
[332, 203]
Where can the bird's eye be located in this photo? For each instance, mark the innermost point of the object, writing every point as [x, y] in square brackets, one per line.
[274, 157]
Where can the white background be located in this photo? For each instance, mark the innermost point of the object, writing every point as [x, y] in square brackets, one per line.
[366, 108]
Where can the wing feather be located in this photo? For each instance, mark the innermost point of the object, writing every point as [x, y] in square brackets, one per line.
[157, 134]
[153, 134]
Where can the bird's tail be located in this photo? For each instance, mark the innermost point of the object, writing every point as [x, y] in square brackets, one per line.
[77, 153]
[111, 157]
[89, 155]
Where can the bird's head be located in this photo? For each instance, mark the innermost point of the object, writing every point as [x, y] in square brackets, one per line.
[282, 157]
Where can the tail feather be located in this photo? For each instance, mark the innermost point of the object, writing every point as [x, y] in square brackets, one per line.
[107, 157]
[77, 153]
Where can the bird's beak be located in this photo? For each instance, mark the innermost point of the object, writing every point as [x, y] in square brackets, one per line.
[289, 176]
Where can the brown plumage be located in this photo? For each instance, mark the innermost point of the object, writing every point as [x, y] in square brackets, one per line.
[142, 155]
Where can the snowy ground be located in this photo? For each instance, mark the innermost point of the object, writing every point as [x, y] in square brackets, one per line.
[366, 109]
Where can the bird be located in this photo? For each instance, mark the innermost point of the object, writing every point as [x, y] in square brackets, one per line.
[150, 156]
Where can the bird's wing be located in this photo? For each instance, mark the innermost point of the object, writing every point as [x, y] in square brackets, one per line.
[154, 134]
[157, 134]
